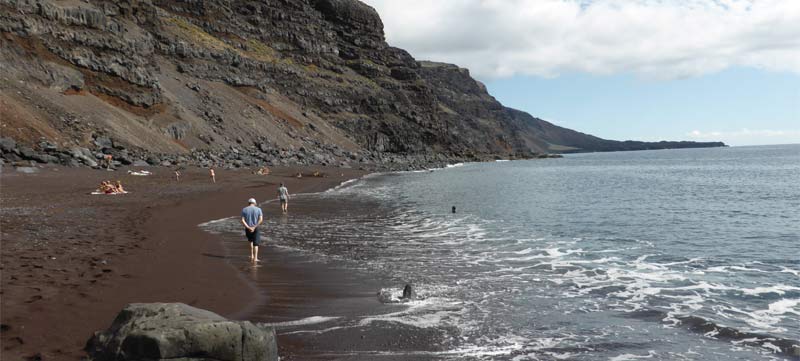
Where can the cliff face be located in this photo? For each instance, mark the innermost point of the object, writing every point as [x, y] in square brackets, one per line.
[276, 81]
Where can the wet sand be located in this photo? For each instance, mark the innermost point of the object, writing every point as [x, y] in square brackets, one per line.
[70, 261]
[317, 301]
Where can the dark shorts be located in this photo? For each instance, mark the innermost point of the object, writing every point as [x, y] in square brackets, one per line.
[253, 237]
[283, 200]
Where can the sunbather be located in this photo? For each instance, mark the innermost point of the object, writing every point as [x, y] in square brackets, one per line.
[118, 188]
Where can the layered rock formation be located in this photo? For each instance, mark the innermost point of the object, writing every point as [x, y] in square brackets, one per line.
[269, 81]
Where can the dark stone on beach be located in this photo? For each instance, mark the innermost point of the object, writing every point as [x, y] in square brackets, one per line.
[409, 293]
[27, 170]
[34, 357]
[8, 145]
[103, 142]
[26, 152]
[88, 161]
[388, 296]
[44, 158]
[168, 331]
[153, 160]
[140, 163]
[125, 159]
[48, 147]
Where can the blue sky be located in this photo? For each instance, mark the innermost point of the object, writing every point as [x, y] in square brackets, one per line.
[742, 106]
[725, 70]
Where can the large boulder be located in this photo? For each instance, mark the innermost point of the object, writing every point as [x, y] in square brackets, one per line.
[8, 145]
[168, 331]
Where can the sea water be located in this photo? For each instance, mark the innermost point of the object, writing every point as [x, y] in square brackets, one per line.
[687, 254]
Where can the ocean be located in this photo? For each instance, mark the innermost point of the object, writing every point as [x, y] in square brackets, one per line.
[689, 254]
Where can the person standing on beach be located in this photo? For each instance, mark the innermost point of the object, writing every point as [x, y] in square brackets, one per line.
[252, 217]
[213, 175]
[109, 160]
[283, 195]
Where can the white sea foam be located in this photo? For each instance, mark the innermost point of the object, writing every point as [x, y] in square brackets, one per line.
[628, 357]
[771, 347]
[316, 332]
[792, 271]
[216, 222]
[430, 312]
[778, 289]
[313, 320]
[784, 306]
[344, 184]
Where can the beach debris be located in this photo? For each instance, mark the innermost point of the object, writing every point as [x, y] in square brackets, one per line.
[140, 173]
[166, 331]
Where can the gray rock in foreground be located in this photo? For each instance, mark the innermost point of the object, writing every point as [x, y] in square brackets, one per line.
[162, 331]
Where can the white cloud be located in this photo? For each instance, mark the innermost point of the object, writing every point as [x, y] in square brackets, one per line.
[652, 38]
[748, 137]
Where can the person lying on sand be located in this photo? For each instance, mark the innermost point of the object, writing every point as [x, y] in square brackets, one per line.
[102, 187]
[106, 187]
[118, 188]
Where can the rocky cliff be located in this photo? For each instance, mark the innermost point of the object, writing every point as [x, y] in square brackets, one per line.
[245, 83]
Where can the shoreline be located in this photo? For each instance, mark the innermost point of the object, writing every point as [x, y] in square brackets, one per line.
[69, 276]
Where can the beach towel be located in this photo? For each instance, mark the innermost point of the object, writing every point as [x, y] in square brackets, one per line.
[107, 194]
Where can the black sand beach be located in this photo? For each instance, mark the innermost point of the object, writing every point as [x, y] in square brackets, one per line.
[71, 261]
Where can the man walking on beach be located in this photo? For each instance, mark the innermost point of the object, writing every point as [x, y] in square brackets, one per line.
[252, 217]
[283, 195]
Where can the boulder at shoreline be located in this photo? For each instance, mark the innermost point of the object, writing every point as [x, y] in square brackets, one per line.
[161, 331]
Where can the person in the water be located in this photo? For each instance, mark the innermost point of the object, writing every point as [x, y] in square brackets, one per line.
[283, 195]
[252, 217]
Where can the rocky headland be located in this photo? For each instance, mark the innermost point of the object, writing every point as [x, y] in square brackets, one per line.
[246, 83]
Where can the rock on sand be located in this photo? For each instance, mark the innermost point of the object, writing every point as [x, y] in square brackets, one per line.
[161, 331]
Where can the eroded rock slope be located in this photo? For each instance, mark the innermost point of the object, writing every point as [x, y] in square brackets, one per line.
[245, 83]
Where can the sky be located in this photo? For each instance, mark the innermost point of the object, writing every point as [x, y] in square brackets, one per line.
[705, 70]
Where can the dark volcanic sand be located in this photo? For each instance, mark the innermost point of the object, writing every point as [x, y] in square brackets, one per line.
[294, 286]
[71, 261]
